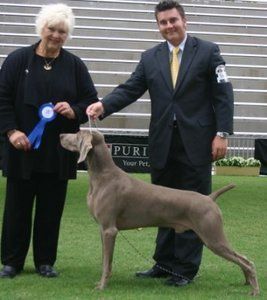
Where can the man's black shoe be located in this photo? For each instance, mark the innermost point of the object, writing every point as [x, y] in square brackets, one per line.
[177, 281]
[8, 272]
[46, 271]
[154, 272]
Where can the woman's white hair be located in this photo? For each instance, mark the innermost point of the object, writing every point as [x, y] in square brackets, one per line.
[54, 14]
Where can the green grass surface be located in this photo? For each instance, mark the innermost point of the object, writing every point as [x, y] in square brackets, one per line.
[79, 254]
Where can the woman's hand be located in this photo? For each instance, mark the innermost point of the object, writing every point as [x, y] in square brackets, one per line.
[64, 109]
[19, 140]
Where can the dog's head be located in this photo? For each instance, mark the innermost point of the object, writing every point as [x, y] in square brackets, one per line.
[77, 142]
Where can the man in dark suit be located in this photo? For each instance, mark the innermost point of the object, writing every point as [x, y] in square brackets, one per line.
[190, 121]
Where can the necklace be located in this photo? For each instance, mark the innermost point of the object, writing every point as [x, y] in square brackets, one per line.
[48, 65]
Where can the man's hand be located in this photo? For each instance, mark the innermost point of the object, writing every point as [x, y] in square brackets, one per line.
[219, 147]
[95, 110]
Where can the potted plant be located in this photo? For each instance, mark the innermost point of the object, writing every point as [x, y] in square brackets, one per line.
[237, 165]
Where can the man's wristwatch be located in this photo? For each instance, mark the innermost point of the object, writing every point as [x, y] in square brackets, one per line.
[222, 134]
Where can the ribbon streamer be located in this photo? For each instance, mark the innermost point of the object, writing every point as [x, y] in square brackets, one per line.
[46, 114]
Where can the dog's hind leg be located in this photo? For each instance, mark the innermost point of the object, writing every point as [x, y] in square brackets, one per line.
[108, 236]
[210, 230]
[222, 249]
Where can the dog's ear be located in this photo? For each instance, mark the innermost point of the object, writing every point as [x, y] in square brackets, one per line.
[69, 141]
[77, 142]
[85, 144]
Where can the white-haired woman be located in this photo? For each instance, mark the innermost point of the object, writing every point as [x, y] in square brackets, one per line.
[44, 91]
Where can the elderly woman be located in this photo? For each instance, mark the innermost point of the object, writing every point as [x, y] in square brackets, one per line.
[44, 91]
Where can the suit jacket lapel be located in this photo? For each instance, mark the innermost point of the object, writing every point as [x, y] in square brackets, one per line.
[163, 58]
[187, 58]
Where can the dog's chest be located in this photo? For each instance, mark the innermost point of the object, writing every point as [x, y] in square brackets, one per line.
[91, 204]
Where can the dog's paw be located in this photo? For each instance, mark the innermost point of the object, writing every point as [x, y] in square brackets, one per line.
[100, 286]
[254, 293]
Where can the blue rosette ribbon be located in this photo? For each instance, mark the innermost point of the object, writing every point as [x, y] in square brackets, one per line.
[46, 114]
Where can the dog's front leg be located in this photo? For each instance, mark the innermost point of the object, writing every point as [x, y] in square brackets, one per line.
[108, 243]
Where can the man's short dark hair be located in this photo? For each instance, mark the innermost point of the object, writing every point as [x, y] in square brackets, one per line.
[169, 4]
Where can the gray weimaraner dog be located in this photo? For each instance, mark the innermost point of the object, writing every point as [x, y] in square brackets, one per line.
[119, 202]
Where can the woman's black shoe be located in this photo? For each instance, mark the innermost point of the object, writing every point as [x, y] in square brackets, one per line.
[46, 271]
[8, 272]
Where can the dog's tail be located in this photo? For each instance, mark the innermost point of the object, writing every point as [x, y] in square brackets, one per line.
[217, 193]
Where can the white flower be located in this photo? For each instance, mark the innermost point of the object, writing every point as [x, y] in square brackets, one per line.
[238, 161]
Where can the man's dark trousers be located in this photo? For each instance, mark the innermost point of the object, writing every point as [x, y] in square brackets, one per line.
[180, 252]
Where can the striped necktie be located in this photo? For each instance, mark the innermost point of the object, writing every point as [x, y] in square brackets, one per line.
[175, 65]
